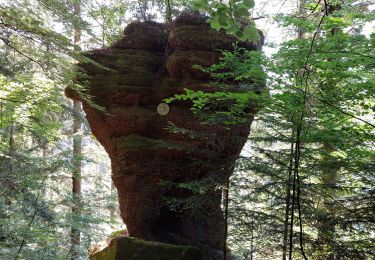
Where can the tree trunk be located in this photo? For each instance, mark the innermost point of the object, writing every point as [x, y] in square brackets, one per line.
[77, 153]
[326, 224]
[76, 178]
[7, 169]
[328, 179]
[112, 210]
[296, 153]
[168, 11]
[226, 211]
[287, 200]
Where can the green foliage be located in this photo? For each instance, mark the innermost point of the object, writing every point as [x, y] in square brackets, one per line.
[36, 61]
[110, 16]
[233, 17]
[237, 81]
[25, 103]
[27, 31]
[327, 77]
[322, 85]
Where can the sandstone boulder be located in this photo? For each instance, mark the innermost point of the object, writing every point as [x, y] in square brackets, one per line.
[129, 80]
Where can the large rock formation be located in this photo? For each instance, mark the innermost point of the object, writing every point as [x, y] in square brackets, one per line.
[129, 80]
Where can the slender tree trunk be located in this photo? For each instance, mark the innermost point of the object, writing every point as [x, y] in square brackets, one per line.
[76, 179]
[326, 224]
[77, 153]
[297, 185]
[11, 154]
[328, 178]
[112, 210]
[44, 155]
[297, 155]
[8, 169]
[292, 216]
[168, 11]
[11, 148]
[252, 240]
[287, 200]
[226, 212]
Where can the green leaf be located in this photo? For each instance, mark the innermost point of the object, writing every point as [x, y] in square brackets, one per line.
[249, 3]
[200, 4]
[222, 19]
[241, 10]
[215, 25]
[250, 33]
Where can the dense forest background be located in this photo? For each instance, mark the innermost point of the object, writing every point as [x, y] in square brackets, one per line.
[304, 187]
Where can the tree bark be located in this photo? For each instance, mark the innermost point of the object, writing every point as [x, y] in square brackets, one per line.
[226, 211]
[326, 224]
[328, 178]
[168, 11]
[112, 210]
[287, 200]
[77, 152]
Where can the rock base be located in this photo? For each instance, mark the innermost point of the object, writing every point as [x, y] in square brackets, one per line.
[127, 248]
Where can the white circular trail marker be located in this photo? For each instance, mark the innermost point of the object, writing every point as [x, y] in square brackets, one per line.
[163, 109]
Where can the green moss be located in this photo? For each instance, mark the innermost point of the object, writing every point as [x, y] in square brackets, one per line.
[126, 61]
[138, 142]
[127, 248]
[101, 82]
[168, 83]
[180, 63]
[117, 233]
[198, 38]
[110, 87]
[190, 37]
[167, 86]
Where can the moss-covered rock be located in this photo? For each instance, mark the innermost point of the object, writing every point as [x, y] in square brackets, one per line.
[127, 248]
[145, 28]
[140, 42]
[190, 37]
[149, 36]
[180, 63]
[112, 88]
[138, 142]
[191, 18]
[121, 232]
[120, 81]
[126, 61]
